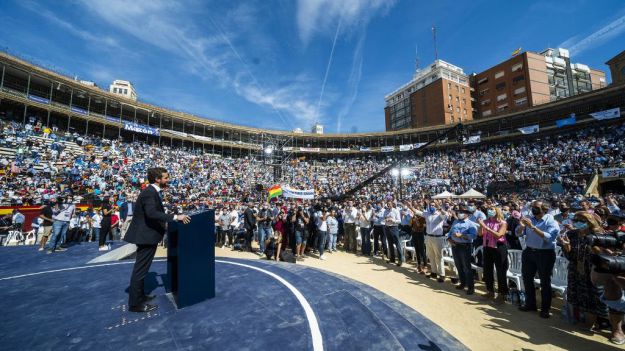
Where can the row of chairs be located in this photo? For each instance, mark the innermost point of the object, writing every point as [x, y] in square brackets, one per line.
[17, 237]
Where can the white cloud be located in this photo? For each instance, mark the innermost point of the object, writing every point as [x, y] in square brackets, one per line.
[83, 34]
[612, 29]
[167, 25]
[353, 82]
[321, 16]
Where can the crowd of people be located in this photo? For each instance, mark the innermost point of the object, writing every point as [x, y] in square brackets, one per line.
[108, 175]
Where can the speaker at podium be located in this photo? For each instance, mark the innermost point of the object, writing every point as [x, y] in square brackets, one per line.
[191, 259]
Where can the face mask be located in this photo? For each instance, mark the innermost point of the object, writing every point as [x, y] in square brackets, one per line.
[462, 215]
[432, 209]
[536, 211]
[491, 213]
[580, 225]
[471, 208]
[506, 215]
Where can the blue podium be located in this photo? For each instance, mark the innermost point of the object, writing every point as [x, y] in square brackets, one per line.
[191, 259]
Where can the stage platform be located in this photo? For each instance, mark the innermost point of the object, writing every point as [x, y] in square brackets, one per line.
[58, 302]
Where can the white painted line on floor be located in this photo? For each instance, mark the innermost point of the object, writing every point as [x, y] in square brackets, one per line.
[310, 315]
[71, 269]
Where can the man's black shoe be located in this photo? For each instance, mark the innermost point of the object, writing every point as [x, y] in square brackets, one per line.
[399, 263]
[440, 279]
[432, 275]
[544, 314]
[143, 308]
[460, 287]
[147, 298]
[525, 308]
[470, 291]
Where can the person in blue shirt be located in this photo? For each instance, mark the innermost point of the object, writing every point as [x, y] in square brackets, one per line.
[460, 236]
[541, 231]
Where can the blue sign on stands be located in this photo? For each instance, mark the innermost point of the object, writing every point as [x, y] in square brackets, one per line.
[38, 99]
[112, 119]
[79, 110]
[140, 128]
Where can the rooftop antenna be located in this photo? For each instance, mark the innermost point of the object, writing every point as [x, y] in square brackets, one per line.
[417, 58]
[434, 38]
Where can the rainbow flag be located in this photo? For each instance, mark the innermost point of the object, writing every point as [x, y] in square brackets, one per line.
[275, 191]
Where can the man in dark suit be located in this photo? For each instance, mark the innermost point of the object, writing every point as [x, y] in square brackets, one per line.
[146, 230]
[249, 223]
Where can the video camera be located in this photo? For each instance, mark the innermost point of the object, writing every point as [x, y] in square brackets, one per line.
[605, 263]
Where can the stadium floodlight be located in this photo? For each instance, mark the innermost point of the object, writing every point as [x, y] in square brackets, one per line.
[269, 150]
[394, 172]
[405, 172]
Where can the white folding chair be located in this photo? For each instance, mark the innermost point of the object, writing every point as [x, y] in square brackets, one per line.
[559, 278]
[514, 269]
[478, 269]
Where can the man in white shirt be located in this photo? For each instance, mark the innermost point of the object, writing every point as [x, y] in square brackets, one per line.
[435, 219]
[349, 223]
[365, 214]
[392, 219]
[62, 213]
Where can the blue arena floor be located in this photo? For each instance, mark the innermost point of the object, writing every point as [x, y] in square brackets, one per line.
[58, 302]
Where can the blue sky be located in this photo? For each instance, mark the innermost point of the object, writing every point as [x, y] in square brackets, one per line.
[283, 64]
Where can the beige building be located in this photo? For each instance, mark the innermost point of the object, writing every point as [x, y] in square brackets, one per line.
[617, 68]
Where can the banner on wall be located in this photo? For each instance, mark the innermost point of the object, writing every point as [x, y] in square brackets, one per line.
[406, 147]
[473, 139]
[566, 121]
[307, 194]
[613, 172]
[530, 129]
[78, 110]
[387, 148]
[309, 149]
[607, 114]
[140, 128]
[38, 99]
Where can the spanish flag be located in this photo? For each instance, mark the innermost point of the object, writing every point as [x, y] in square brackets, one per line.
[516, 52]
[275, 191]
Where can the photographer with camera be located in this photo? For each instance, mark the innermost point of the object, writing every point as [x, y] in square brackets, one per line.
[609, 272]
[581, 293]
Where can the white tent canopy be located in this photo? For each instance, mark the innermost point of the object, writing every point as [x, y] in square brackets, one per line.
[445, 195]
[472, 194]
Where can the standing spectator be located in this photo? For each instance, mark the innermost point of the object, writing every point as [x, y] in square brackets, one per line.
[435, 219]
[493, 233]
[300, 220]
[249, 222]
[461, 235]
[264, 219]
[333, 230]
[540, 231]
[115, 224]
[126, 210]
[417, 229]
[322, 231]
[224, 221]
[46, 215]
[378, 230]
[364, 222]
[62, 213]
[392, 219]
[349, 217]
[105, 223]
[580, 292]
[96, 225]
[279, 233]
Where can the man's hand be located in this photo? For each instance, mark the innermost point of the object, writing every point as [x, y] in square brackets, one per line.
[183, 218]
[526, 222]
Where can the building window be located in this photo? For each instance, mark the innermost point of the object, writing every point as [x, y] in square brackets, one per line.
[500, 86]
[502, 107]
[482, 81]
[485, 102]
[464, 102]
[463, 90]
[501, 97]
[518, 79]
[518, 91]
[457, 89]
[483, 92]
[486, 113]
[448, 86]
[457, 99]
[499, 74]
[458, 109]
[517, 67]
[450, 97]
[464, 111]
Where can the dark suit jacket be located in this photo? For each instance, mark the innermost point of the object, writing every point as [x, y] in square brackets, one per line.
[149, 219]
[249, 220]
